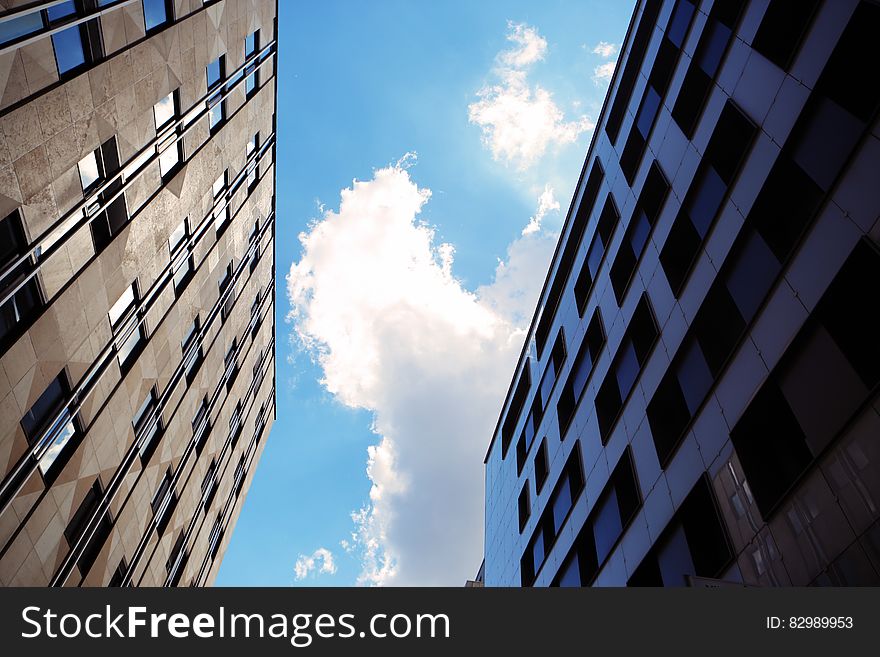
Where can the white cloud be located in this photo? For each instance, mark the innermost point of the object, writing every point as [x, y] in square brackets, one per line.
[320, 561]
[375, 301]
[603, 72]
[519, 120]
[605, 49]
[546, 203]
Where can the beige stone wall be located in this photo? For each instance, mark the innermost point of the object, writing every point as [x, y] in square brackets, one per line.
[41, 142]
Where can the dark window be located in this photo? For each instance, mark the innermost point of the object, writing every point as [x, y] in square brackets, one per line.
[201, 425]
[53, 423]
[235, 424]
[821, 381]
[209, 485]
[584, 362]
[78, 525]
[636, 346]
[524, 506]
[616, 507]
[644, 216]
[191, 346]
[164, 501]
[566, 261]
[561, 501]
[633, 63]
[108, 209]
[216, 536]
[177, 561]
[782, 29]
[517, 402]
[230, 364]
[147, 424]
[250, 156]
[694, 543]
[182, 262]
[221, 202]
[26, 299]
[726, 151]
[542, 467]
[118, 575]
[238, 476]
[157, 14]
[227, 292]
[557, 358]
[596, 252]
[255, 316]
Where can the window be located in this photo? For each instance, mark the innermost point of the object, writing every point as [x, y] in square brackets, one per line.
[26, 299]
[260, 423]
[569, 253]
[258, 370]
[694, 543]
[516, 406]
[253, 240]
[596, 252]
[542, 467]
[728, 146]
[636, 346]
[209, 485]
[581, 370]
[230, 364]
[221, 205]
[561, 501]
[169, 131]
[79, 523]
[227, 292]
[215, 536]
[147, 424]
[251, 46]
[118, 577]
[201, 425]
[255, 322]
[714, 42]
[645, 215]
[215, 74]
[157, 14]
[191, 346]
[524, 506]
[251, 159]
[129, 329]
[182, 263]
[658, 82]
[76, 46]
[164, 501]
[108, 209]
[22, 26]
[633, 64]
[177, 560]
[819, 384]
[235, 424]
[53, 424]
[238, 477]
[783, 27]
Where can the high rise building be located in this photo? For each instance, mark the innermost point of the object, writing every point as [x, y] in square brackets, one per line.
[137, 215]
[697, 399]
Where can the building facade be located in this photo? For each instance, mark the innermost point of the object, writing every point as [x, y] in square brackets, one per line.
[697, 399]
[137, 223]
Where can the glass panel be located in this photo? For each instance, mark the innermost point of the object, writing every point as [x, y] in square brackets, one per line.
[88, 171]
[63, 10]
[155, 13]
[178, 236]
[19, 27]
[648, 111]
[122, 305]
[561, 504]
[640, 230]
[213, 72]
[714, 42]
[164, 110]
[63, 430]
[679, 22]
[571, 574]
[627, 369]
[68, 49]
[606, 525]
[705, 198]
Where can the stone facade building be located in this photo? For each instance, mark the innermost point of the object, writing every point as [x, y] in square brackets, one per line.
[137, 222]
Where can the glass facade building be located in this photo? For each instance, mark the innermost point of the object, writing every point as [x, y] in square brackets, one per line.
[697, 399]
[137, 295]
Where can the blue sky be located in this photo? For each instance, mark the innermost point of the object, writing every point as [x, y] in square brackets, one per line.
[463, 123]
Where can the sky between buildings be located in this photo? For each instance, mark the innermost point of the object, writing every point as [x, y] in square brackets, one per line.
[427, 155]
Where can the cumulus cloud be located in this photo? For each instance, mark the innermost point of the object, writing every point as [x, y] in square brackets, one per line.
[605, 49]
[375, 301]
[603, 72]
[518, 120]
[320, 561]
[546, 203]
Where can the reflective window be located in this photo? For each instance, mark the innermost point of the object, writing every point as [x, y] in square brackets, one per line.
[147, 424]
[79, 523]
[26, 299]
[156, 13]
[53, 425]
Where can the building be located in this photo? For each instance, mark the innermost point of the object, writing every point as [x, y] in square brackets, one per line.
[137, 142]
[697, 399]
